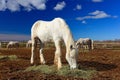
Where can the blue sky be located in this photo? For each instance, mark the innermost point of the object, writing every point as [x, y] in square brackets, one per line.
[96, 19]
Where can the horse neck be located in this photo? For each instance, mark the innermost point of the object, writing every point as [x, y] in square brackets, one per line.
[68, 39]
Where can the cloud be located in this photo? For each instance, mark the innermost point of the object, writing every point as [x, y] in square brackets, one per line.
[96, 12]
[115, 16]
[96, 15]
[15, 5]
[84, 22]
[99, 14]
[12, 5]
[97, 0]
[2, 5]
[78, 7]
[14, 37]
[60, 6]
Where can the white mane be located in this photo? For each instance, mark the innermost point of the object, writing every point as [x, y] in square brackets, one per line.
[55, 30]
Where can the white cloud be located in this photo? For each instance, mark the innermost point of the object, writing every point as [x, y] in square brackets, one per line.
[2, 5]
[97, 0]
[99, 14]
[59, 6]
[39, 4]
[78, 7]
[12, 5]
[96, 15]
[84, 22]
[96, 12]
[14, 37]
[115, 16]
[15, 5]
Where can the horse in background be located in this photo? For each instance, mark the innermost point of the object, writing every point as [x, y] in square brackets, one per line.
[13, 44]
[29, 43]
[85, 43]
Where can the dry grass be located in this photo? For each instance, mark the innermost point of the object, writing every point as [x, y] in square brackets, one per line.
[10, 57]
[42, 68]
[65, 71]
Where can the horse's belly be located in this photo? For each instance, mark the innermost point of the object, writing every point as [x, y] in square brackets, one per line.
[44, 37]
[47, 33]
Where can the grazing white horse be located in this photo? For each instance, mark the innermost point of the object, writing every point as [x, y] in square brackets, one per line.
[28, 44]
[86, 43]
[13, 44]
[55, 30]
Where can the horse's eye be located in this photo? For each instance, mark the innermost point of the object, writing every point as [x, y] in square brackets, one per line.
[71, 47]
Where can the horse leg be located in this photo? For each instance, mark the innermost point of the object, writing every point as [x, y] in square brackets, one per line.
[92, 44]
[89, 47]
[42, 60]
[34, 44]
[68, 58]
[57, 59]
[28, 46]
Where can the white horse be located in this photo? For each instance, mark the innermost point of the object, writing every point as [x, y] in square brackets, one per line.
[28, 44]
[86, 43]
[13, 44]
[55, 30]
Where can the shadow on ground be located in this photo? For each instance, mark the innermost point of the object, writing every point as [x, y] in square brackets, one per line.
[96, 65]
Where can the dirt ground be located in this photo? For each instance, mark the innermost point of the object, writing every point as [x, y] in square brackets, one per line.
[105, 62]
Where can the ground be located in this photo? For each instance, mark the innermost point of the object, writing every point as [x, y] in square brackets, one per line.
[105, 61]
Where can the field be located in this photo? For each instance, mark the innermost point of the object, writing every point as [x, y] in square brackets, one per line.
[104, 62]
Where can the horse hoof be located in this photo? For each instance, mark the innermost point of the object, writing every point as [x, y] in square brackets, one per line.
[32, 64]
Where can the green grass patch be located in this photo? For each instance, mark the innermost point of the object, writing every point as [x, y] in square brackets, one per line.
[3, 57]
[10, 57]
[64, 71]
[42, 68]
[84, 73]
